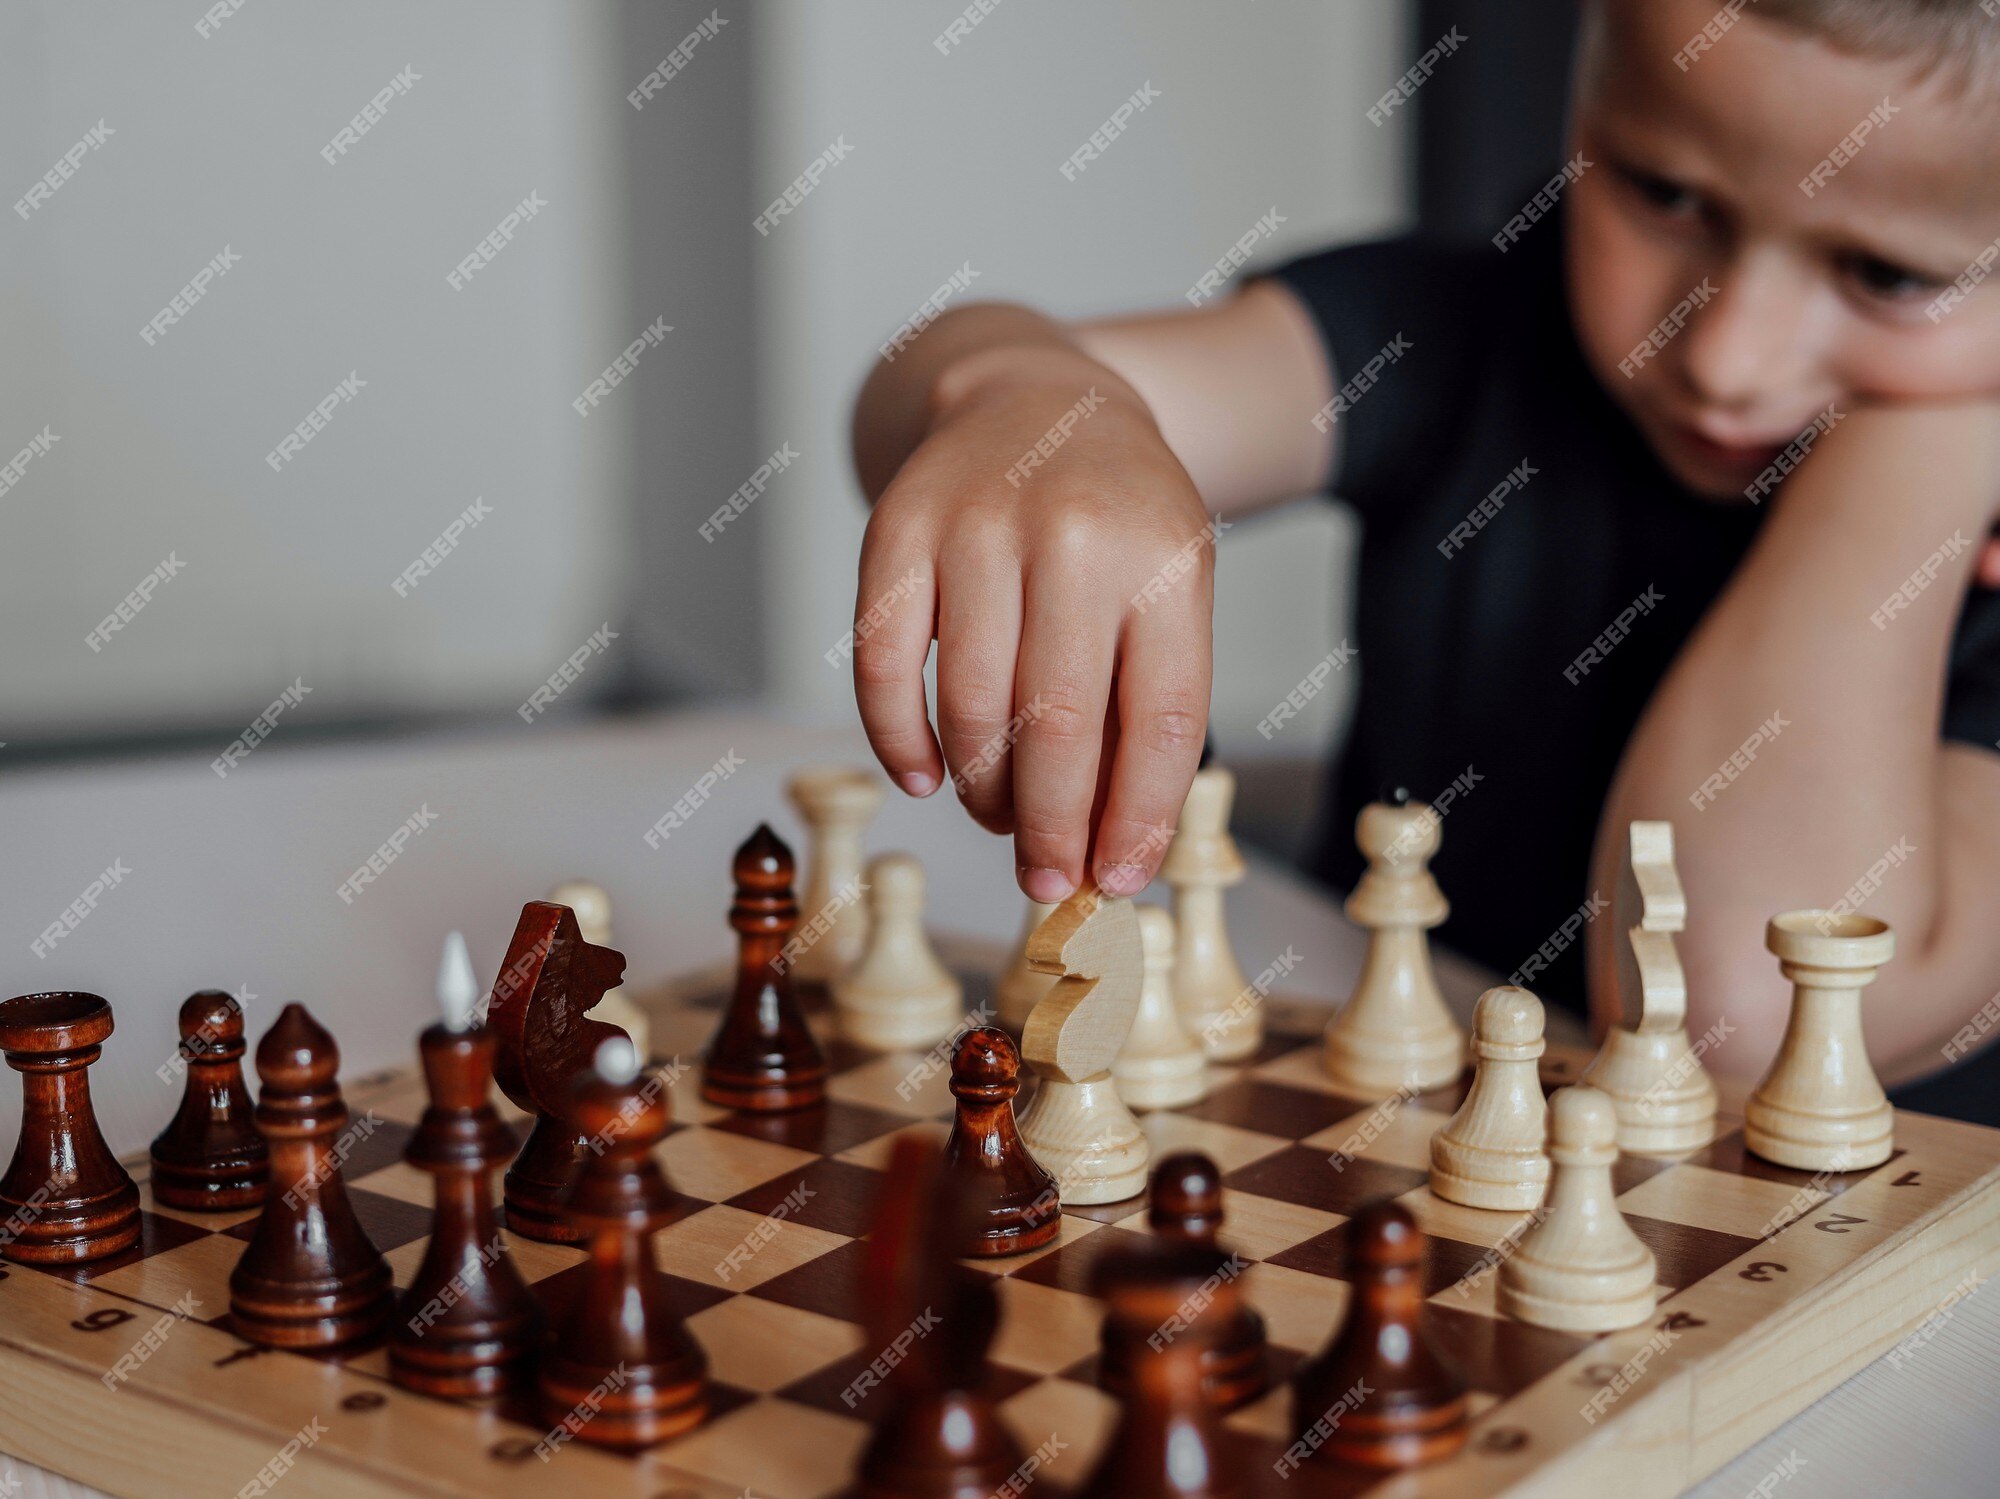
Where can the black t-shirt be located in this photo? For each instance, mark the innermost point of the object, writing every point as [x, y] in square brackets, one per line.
[1528, 571]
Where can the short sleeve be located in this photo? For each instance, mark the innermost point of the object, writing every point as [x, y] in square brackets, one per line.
[1972, 689]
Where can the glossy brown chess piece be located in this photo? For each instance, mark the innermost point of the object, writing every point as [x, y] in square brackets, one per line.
[1014, 1203]
[210, 1158]
[1185, 1212]
[536, 1011]
[1168, 1442]
[621, 1370]
[311, 1277]
[938, 1434]
[1410, 1408]
[465, 1327]
[763, 1058]
[64, 1198]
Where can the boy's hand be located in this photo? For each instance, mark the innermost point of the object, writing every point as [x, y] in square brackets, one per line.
[1046, 535]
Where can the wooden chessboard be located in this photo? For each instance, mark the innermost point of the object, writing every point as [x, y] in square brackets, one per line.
[1755, 1320]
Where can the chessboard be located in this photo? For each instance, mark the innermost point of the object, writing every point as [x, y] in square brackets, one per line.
[1775, 1285]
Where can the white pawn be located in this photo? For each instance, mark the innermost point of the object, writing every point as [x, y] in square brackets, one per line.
[898, 997]
[1395, 1032]
[1160, 1067]
[1218, 1006]
[1580, 1268]
[836, 803]
[1493, 1153]
[1820, 1107]
[1022, 985]
[592, 907]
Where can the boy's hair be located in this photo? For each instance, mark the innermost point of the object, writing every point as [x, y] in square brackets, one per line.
[1957, 38]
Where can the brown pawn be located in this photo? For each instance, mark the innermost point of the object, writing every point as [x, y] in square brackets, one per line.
[622, 1371]
[64, 1198]
[1186, 1214]
[468, 1321]
[1168, 1443]
[210, 1158]
[763, 1058]
[311, 1277]
[1014, 1203]
[1411, 1408]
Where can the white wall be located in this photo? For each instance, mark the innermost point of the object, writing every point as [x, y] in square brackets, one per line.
[955, 157]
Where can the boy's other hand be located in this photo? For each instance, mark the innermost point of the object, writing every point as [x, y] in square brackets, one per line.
[1046, 536]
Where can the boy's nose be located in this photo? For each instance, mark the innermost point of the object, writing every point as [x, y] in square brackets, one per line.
[1749, 340]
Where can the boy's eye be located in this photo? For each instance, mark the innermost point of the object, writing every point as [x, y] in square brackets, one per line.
[1659, 193]
[1886, 281]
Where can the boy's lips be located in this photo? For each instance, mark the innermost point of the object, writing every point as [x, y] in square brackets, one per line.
[1750, 456]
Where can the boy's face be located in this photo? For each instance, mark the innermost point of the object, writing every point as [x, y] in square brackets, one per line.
[1721, 304]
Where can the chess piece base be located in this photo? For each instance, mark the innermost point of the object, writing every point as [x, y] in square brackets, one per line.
[763, 1096]
[535, 1183]
[1665, 1100]
[1373, 1066]
[1505, 1181]
[332, 1316]
[215, 1187]
[1162, 1082]
[1085, 1137]
[1601, 1298]
[1362, 1441]
[902, 1027]
[469, 1368]
[1813, 1142]
[1234, 1371]
[654, 1402]
[71, 1232]
[1226, 1033]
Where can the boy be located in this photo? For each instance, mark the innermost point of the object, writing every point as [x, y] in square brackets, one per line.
[1675, 505]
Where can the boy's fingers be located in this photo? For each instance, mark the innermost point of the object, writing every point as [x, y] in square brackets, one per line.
[979, 642]
[893, 613]
[1061, 690]
[1163, 684]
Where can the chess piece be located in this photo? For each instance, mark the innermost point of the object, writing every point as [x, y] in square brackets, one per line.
[311, 1277]
[1076, 1125]
[1219, 1007]
[1185, 1212]
[1160, 1067]
[1664, 1097]
[1493, 1153]
[64, 1198]
[837, 803]
[1820, 1107]
[621, 1371]
[939, 1434]
[1580, 1268]
[593, 918]
[1391, 1402]
[898, 996]
[210, 1157]
[1012, 1200]
[1021, 985]
[549, 981]
[1168, 1441]
[468, 1322]
[1394, 1032]
[763, 1057]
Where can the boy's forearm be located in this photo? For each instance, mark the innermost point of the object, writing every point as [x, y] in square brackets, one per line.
[1794, 744]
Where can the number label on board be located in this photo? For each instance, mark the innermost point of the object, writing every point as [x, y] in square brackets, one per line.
[1838, 1223]
[1762, 1270]
[104, 1317]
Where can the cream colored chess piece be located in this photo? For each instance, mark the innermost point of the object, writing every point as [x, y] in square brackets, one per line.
[1820, 1107]
[1022, 986]
[898, 997]
[1493, 1153]
[1219, 1008]
[1664, 1097]
[1395, 1032]
[836, 802]
[1076, 1125]
[1160, 1067]
[593, 919]
[1580, 1268]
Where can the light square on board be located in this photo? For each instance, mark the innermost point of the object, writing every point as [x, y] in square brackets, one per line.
[759, 1345]
[1723, 1200]
[1301, 1310]
[1440, 1219]
[901, 1082]
[1399, 1136]
[714, 1166]
[1299, 1068]
[1044, 1328]
[212, 1221]
[875, 1153]
[1077, 1416]
[1225, 1144]
[735, 1250]
[1071, 1227]
[1260, 1227]
[774, 1449]
[403, 1182]
[200, 1268]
